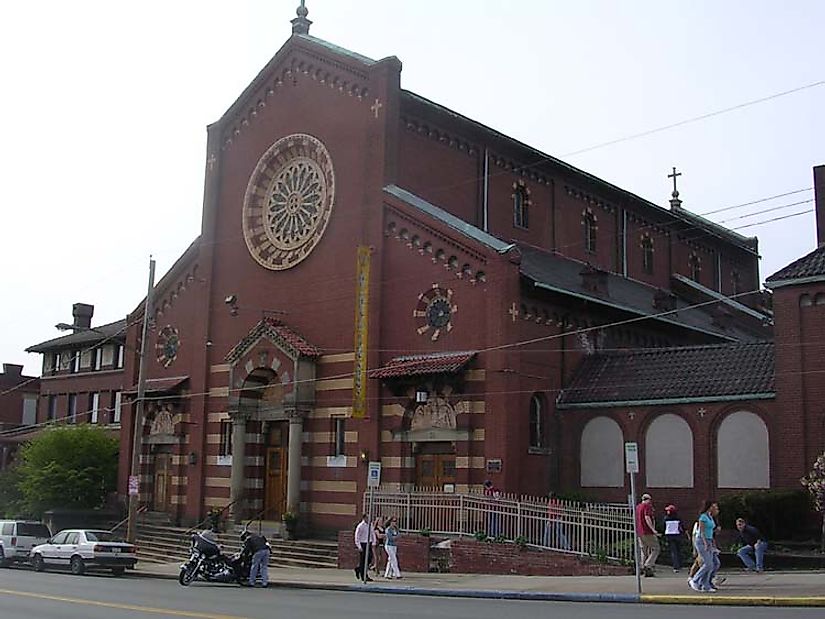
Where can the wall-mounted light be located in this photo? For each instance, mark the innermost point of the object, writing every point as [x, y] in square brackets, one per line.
[193, 458]
[232, 301]
[364, 456]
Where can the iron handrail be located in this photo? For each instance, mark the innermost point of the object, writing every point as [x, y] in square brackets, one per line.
[210, 517]
[140, 510]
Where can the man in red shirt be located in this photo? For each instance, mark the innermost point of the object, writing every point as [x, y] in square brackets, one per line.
[648, 537]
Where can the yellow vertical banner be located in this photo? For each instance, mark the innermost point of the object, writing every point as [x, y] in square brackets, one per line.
[362, 297]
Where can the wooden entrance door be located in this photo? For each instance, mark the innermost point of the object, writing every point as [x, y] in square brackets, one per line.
[434, 470]
[275, 483]
[162, 483]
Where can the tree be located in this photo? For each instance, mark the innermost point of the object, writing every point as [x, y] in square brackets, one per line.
[68, 467]
[11, 499]
[815, 483]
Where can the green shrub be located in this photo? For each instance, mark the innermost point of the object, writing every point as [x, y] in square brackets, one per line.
[778, 514]
[425, 532]
[480, 536]
[521, 542]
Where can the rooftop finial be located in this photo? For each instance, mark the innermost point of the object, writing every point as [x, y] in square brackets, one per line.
[675, 202]
[300, 25]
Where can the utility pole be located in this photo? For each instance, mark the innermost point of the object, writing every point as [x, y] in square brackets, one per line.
[134, 469]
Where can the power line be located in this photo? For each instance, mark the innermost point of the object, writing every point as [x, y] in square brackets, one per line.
[693, 119]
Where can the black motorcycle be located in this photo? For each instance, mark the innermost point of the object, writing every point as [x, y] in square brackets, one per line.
[207, 562]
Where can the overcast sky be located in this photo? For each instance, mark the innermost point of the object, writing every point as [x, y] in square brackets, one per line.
[105, 105]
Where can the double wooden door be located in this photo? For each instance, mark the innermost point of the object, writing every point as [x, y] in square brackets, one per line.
[161, 499]
[275, 483]
[434, 470]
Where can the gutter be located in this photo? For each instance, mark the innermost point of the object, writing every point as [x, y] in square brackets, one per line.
[664, 401]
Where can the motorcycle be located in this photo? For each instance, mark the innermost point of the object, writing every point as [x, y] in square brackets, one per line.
[207, 562]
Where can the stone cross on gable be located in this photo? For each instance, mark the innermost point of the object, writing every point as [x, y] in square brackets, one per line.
[376, 107]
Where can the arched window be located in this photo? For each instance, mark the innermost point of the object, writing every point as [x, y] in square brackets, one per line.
[602, 454]
[537, 440]
[743, 455]
[805, 300]
[695, 266]
[647, 255]
[521, 205]
[590, 229]
[669, 453]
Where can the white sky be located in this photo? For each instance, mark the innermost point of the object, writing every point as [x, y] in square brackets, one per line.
[105, 105]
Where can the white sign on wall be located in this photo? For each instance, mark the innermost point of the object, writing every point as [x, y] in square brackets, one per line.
[374, 475]
[631, 457]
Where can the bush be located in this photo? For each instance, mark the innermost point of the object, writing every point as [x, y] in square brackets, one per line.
[11, 498]
[778, 514]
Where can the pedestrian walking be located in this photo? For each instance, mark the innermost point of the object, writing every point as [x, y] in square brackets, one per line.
[378, 546]
[753, 547]
[364, 540]
[555, 535]
[706, 548]
[648, 536]
[391, 546]
[674, 532]
[493, 520]
[257, 547]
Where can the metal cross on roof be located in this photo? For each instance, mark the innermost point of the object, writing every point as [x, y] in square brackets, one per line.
[674, 175]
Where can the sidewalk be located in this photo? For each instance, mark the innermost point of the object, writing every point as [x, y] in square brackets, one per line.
[746, 589]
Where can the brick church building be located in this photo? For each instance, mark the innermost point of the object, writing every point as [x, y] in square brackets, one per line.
[379, 278]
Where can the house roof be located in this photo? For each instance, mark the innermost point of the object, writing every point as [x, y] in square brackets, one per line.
[417, 365]
[112, 331]
[810, 267]
[278, 332]
[550, 271]
[673, 375]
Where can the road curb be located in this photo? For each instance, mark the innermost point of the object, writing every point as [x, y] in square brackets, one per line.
[733, 600]
[540, 596]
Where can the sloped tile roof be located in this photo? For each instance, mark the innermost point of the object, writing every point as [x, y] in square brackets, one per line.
[416, 365]
[279, 333]
[694, 373]
[811, 265]
[160, 385]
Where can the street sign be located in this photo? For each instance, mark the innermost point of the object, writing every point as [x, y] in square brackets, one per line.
[134, 487]
[374, 475]
[631, 457]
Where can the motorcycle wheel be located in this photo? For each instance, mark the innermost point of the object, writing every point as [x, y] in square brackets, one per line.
[187, 575]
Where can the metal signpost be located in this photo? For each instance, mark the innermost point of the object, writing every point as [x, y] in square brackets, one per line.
[373, 481]
[631, 462]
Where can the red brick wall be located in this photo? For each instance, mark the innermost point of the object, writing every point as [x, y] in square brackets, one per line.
[472, 557]
[413, 552]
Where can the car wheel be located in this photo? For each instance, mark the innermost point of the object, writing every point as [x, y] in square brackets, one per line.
[38, 564]
[118, 571]
[77, 566]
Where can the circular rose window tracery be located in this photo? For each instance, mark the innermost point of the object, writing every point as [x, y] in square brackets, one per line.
[288, 201]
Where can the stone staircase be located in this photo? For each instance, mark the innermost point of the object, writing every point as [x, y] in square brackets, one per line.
[160, 542]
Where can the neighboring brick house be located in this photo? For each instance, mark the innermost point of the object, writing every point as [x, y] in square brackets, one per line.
[83, 373]
[18, 407]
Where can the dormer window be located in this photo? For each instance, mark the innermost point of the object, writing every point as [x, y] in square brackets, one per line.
[590, 229]
[695, 266]
[521, 205]
[647, 254]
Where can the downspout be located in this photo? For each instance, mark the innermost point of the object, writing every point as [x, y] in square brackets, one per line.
[624, 242]
[485, 223]
[718, 272]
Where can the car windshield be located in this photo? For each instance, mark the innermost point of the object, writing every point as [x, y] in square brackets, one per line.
[100, 536]
[27, 529]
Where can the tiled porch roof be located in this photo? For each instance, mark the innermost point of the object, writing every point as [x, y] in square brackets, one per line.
[416, 365]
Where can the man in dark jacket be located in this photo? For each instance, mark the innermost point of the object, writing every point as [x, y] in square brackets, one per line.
[257, 546]
[754, 544]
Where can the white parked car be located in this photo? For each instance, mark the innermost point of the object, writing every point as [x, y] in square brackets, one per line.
[18, 537]
[82, 549]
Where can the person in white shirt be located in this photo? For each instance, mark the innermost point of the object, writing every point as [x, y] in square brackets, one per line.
[364, 540]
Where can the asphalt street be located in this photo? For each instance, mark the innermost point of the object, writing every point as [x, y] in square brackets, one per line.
[28, 595]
